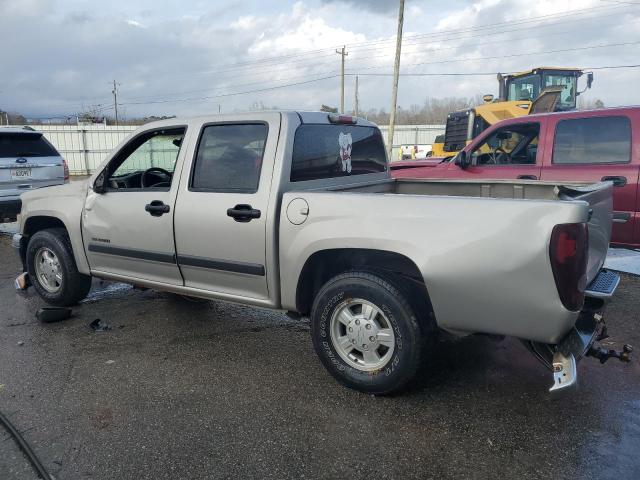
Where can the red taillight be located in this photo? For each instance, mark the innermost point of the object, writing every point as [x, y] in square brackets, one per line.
[66, 170]
[568, 252]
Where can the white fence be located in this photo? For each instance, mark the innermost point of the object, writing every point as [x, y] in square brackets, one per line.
[84, 147]
[411, 135]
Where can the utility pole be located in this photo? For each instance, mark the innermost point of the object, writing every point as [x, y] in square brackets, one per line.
[343, 54]
[396, 73]
[356, 113]
[115, 99]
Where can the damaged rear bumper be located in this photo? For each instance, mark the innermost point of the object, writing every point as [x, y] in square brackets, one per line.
[561, 358]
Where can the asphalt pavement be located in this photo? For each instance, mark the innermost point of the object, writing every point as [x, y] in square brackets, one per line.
[184, 390]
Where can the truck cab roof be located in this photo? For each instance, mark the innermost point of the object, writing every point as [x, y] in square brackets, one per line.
[596, 112]
[309, 117]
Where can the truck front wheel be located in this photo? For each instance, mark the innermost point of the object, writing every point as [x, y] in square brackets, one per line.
[366, 332]
[52, 268]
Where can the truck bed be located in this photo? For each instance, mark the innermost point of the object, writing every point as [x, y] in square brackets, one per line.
[597, 195]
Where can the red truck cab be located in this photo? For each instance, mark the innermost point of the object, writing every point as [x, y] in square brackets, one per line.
[594, 145]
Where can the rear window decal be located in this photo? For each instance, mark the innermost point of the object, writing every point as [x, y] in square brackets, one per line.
[346, 142]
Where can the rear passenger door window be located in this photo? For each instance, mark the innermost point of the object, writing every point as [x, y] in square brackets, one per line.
[223, 228]
[592, 140]
[229, 158]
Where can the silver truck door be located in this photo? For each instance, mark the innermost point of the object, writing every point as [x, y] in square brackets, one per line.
[221, 211]
[127, 224]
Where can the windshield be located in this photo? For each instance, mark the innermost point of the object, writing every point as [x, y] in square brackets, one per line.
[568, 95]
[529, 87]
[524, 88]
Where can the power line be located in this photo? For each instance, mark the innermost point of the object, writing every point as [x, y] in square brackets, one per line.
[332, 72]
[367, 74]
[407, 39]
[424, 74]
[230, 71]
[621, 2]
[471, 74]
[356, 46]
[522, 54]
[296, 77]
[276, 87]
[427, 38]
[231, 94]
[349, 74]
[612, 67]
[203, 90]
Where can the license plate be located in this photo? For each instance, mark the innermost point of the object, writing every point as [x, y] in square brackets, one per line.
[20, 173]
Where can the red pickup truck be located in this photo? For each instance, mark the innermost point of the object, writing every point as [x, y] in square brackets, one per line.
[589, 146]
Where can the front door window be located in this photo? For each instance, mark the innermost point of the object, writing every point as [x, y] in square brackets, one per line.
[513, 145]
[148, 162]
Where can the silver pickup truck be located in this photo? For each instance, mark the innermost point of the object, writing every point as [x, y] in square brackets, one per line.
[297, 211]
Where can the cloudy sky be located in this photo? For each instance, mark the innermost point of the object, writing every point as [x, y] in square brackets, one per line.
[178, 57]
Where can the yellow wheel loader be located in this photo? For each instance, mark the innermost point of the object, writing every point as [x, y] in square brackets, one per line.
[543, 89]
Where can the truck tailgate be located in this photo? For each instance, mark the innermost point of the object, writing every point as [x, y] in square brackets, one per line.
[599, 196]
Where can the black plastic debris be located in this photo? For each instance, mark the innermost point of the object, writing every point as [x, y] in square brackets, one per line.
[53, 314]
[100, 326]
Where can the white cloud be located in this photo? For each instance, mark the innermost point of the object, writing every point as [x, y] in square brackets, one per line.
[134, 23]
[300, 31]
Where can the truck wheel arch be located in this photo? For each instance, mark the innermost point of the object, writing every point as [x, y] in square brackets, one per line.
[40, 222]
[325, 264]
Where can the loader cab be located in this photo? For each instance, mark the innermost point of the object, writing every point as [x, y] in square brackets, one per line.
[528, 86]
[540, 90]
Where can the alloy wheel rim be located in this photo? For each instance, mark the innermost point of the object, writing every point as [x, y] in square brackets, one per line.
[48, 270]
[362, 335]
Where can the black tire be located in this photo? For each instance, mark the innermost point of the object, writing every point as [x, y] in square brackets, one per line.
[74, 286]
[411, 338]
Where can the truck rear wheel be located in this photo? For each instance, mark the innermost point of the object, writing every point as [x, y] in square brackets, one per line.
[366, 332]
[52, 268]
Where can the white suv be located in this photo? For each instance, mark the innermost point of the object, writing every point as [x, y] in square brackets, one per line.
[27, 161]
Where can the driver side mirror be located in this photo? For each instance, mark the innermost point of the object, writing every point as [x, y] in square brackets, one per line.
[99, 186]
[462, 160]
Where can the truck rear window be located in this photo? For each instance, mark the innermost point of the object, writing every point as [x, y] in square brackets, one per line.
[25, 145]
[329, 151]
